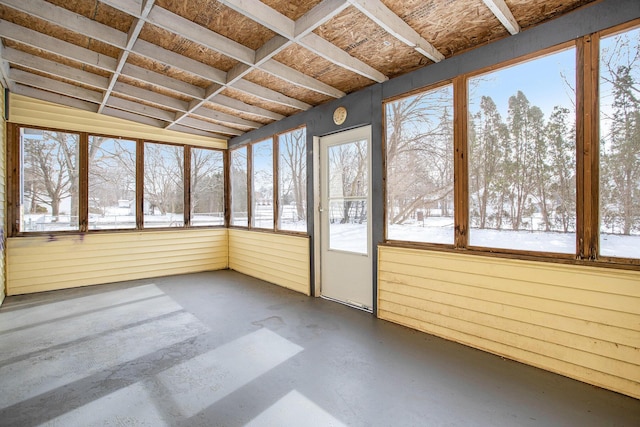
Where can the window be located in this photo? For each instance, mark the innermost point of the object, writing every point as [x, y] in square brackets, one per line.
[262, 184]
[348, 193]
[207, 187]
[163, 185]
[49, 180]
[620, 145]
[239, 187]
[292, 181]
[112, 183]
[419, 150]
[521, 141]
[66, 181]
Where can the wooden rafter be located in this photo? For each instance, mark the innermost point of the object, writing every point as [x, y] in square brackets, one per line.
[384, 17]
[47, 47]
[504, 15]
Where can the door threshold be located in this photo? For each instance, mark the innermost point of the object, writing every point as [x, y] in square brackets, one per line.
[351, 304]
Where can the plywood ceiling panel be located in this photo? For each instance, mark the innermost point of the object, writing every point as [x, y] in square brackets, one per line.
[226, 67]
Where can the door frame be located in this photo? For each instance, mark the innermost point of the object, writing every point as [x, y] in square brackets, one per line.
[317, 232]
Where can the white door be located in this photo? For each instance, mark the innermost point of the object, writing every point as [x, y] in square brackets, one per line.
[345, 226]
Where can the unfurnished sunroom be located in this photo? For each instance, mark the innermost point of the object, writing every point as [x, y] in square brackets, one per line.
[466, 169]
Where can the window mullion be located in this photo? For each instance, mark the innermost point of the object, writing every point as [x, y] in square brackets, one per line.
[83, 190]
[187, 186]
[461, 170]
[275, 204]
[249, 185]
[587, 147]
[140, 184]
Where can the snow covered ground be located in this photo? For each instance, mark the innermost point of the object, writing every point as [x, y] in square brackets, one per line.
[440, 230]
[352, 237]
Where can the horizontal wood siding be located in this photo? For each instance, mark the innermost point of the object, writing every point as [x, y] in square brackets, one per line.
[44, 263]
[581, 322]
[34, 112]
[276, 258]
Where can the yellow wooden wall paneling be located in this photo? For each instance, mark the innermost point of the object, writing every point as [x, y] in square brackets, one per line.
[277, 258]
[498, 289]
[516, 307]
[581, 322]
[561, 367]
[40, 263]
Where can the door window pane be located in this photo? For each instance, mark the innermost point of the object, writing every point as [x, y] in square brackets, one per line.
[262, 184]
[207, 187]
[522, 167]
[292, 181]
[419, 150]
[238, 176]
[620, 145]
[49, 187]
[348, 190]
[163, 185]
[112, 183]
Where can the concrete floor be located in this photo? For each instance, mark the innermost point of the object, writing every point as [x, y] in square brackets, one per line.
[223, 349]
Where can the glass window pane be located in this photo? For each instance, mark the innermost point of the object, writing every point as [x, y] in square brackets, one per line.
[49, 187]
[262, 184]
[112, 183]
[207, 187]
[238, 176]
[292, 181]
[348, 189]
[419, 150]
[163, 185]
[522, 173]
[620, 145]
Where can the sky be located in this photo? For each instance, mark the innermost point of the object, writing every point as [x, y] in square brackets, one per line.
[539, 79]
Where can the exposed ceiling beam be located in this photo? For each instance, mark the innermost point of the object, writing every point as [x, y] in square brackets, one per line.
[127, 115]
[142, 109]
[27, 60]
[269, 95]
[130, 43]
[4, 69]
[210, 127]
[100, 83]
[504, 15]
[42, 41]
[70, 20]
[175, 60]
[55, 98]
[198, 34]
[234, 104]
[186, 129]
[148, 76]
[333, 54]
[109, 111]
[290, 75]
[45, 83]
[394, 25]
[162, 101]
[224, 117]
[264, 15]
[134, 32]
[320, 14]
[280, 24]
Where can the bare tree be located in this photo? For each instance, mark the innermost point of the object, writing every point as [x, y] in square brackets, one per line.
[51, 170]
[207, 181]
[292, 171]
[163, 177]
[620, 147]
[419, 154]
